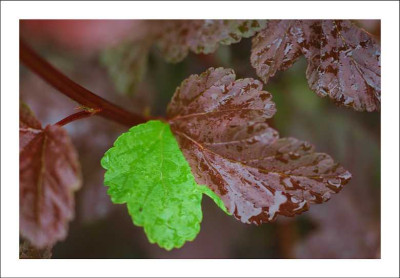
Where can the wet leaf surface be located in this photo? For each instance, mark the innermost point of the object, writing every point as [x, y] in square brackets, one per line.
[276, 47]
[348, 226]
[147, 171]
[104, 230]
[126, 63]
[343, 60]
[49, 174]
[222, 128]
[202, 36]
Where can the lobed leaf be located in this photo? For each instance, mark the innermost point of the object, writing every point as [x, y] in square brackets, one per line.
[202, 36]
[343, 60]
[147, 171]
[49, 174]
[221, 125]
[127, 63]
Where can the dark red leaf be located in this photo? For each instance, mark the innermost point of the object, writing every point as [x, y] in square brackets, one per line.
[343, 60]
[49, 174]
[221, 125]
[276, 47]
[201, 36]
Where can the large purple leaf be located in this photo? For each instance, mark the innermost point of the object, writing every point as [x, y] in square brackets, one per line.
[343, 60]
[222, 127]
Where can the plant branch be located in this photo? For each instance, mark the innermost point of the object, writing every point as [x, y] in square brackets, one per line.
[73, 90]
[77, 116]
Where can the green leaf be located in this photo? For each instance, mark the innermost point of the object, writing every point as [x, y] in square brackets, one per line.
[147, 171]
[217, 200]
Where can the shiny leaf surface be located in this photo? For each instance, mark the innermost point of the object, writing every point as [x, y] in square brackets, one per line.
[147, 171]
[49, 174]
[202, 36]
[343, 60]
[222, 128]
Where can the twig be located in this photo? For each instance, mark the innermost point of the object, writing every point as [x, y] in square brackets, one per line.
[73, 90]
[77, 116]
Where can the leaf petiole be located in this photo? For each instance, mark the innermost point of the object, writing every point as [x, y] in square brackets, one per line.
[77, 116]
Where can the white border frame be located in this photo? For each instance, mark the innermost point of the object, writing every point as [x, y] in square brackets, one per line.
[11, 12]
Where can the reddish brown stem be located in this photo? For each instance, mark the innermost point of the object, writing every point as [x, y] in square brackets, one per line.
[77, 116]
[73, 90]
